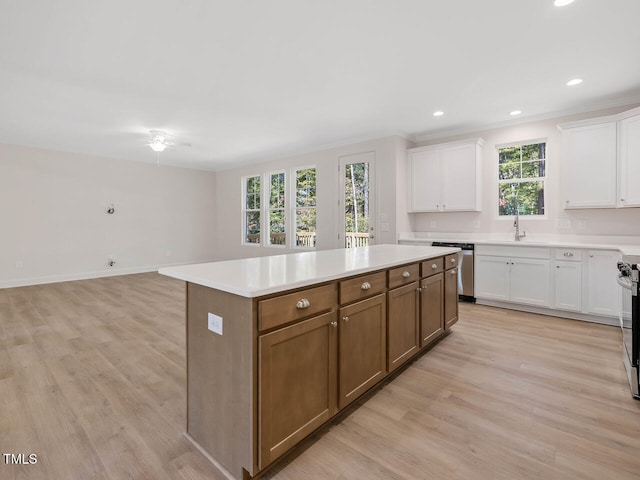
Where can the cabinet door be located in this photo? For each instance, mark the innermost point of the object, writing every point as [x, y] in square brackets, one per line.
[450, 297]
[530, 281]
[459, 178]
[568, 286]
[590, 166]
[604, 296]
[362, 347]
[402, 324]
[492, 277]
[424, 181]
[431, 308]
[630, 162]
[297, 383]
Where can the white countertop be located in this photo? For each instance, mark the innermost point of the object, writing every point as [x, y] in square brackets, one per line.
[257, 276]
[625, 245]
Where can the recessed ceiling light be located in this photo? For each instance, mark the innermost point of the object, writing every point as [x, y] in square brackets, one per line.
[438, 113]
[515, 112]
[575, 81]
[562, 3]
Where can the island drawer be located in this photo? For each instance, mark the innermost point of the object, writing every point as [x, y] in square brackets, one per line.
[403, 275]
[451, 261]
[432, 266]
[294, 306]
[362, 287]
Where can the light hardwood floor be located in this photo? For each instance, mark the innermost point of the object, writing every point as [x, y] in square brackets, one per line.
[92, 380]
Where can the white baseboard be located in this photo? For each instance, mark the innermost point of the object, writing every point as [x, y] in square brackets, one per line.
[68, 277]
[585, 317]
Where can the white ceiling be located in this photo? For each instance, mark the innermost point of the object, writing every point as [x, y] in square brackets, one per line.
[246, 81]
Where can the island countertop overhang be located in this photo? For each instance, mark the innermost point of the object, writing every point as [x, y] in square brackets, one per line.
[258, 276]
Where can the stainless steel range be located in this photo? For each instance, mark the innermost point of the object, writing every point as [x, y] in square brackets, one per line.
[630, 319]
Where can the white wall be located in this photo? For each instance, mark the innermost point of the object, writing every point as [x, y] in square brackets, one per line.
[582, 222]
[54, 224]
[229, 195]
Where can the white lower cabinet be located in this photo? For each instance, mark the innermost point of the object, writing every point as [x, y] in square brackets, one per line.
[568, 285]
[513, 279]
[575, 280]
[492, 277]
[530, 281]
[603, 292]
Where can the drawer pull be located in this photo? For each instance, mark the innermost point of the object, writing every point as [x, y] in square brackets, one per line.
[405, 274]
[453, 271]
[434, 266]
[346, 319]
[453, 260]
[568, 254]
[365, 286]
[303, 303]
[334, 324]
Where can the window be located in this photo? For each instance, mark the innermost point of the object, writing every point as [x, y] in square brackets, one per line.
[521, 175]
[251, 210]
[305, 207]
[277, 215]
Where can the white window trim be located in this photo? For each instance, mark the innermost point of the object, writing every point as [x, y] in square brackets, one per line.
[293, 210]
[243, 240]
[496, 174]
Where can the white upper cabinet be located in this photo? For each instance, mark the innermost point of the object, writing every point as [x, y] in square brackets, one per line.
[590, 166]
[601, 161]
[629, 132]
[445, 177]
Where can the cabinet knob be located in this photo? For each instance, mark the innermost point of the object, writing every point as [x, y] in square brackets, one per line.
[453, 271]
[622, 199]
[334, 324]
[365, 286]
[418, 289]
[433, 266]
[406, 274]
[453, 260]
[346, 319]
[557, 266]
[568, 254]
[303, 303]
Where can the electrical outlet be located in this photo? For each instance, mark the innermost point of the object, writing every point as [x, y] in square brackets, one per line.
[384, 227]
[582, 224]
[433, 224]
[19, 263]
[214, 323]
[563, 223]
[476, 224]
[384, 217]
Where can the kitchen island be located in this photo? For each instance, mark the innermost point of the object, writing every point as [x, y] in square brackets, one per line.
[277, 345]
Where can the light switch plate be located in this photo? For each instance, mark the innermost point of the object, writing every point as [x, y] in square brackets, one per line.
[215, 323]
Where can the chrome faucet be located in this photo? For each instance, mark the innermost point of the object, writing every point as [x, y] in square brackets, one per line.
[516, 223]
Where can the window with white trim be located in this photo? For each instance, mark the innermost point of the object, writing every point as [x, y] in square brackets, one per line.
[305, 207]
[251, 210]
[277, 209]
[521, 178]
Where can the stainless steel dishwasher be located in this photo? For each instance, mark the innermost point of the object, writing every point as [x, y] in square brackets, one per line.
[465, 269]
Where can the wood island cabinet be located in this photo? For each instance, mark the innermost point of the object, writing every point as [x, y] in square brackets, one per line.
[403, 324]
[363, 347]
[264, 372]
[431, 308]
[450, 290]
[298, 374]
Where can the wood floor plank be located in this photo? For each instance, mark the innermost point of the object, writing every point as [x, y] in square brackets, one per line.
[92, 379]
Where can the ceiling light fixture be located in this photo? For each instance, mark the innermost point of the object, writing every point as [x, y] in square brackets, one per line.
[438, 113]
[515, 112]
[158, 141]
[575, 81]
[562, 3]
